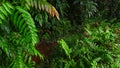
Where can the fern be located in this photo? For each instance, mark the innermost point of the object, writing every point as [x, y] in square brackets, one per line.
[42, 5]
[19, 62]
[24, 22]
[65, 47]
[27, 27]
[23, 37]
[19, 43]
[3, 45]
[5, 10]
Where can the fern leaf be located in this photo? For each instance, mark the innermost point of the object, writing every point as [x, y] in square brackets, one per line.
[18, 20]
[27, 32]
[5, 9]
[18, 39]
[26, 24]
[21, 23]
[0, 21]
[3, 45]
[65, 47]
[18, 62]
[43, 5]
[9, 5]
[15, 17]
[2, 17]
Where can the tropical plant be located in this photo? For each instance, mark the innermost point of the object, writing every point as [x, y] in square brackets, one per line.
[96, 48]
[108, 9]
[87, 7]
[18, 32]
[86, 32]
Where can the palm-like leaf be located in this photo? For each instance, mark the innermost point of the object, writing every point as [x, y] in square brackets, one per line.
[26, 26]
[5, 10]
[42, 5]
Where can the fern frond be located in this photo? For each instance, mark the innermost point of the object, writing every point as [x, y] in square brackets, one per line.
[65, 47]
[27, 50]
[5, 9]
[3, 45]
[25, 24]
[43, 5]
[17, 39]
[27, 32]
[18, 62]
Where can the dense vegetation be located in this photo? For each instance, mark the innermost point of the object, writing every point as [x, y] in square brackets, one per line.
[59, 34]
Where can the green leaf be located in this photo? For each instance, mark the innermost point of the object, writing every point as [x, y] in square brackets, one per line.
[0, 21]
[65, 47]
[15, 18]
[2, 9]
[9, 5]
[7, 8]
[3, 45]
[2, 16]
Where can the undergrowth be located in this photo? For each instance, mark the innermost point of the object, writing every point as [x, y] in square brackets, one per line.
[96, 47]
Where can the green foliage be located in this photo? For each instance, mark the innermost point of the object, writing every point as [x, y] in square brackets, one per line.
[6, 9]
[3, 45]
[102, 39]
[88, 8]
[61, 5]
[87, 32]
[65, 47]
[42, 5]
[96, 48]
[109, 9]
[18, 32]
